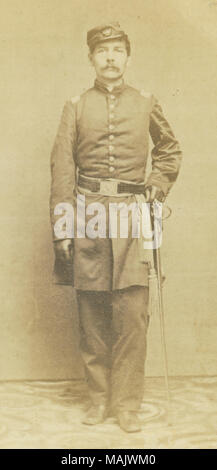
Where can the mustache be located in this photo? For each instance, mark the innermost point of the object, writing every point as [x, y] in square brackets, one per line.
[111, 67]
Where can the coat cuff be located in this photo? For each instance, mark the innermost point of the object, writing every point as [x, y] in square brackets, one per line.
[62, 273]
[161, 185]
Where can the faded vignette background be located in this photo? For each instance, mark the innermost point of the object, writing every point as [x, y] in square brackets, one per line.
[44, 62]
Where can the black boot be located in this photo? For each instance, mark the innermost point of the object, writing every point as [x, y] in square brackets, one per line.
[129, 421]
[96, 414]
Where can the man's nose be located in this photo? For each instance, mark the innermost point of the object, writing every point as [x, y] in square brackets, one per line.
[110, 56]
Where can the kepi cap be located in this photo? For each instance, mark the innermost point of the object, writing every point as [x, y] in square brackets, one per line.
[106, 32]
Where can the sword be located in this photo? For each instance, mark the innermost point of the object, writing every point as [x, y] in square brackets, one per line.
[157, 267]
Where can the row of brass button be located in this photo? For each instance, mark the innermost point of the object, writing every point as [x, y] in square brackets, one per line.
[111, 136]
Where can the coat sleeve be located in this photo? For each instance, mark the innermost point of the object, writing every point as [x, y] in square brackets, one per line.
[63, 167]
[166, 154]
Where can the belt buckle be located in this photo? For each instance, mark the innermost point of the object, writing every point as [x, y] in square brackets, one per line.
[108, 187]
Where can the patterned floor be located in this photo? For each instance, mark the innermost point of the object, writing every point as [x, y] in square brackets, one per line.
[47, 415]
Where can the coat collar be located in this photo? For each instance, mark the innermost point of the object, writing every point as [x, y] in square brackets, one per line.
[104, 89]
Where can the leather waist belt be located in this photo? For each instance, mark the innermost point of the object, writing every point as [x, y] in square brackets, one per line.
[109, 187]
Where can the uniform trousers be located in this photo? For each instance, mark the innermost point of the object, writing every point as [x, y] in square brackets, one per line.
[113, 327]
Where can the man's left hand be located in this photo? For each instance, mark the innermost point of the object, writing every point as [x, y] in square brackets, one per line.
[152, 193]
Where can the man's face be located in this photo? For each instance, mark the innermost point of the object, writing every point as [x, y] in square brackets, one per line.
[109, 59]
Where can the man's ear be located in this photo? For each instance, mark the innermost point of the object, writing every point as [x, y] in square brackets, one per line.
[128, 61]
[90, 58]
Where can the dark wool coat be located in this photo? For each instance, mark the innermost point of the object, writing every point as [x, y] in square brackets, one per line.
[105, 134]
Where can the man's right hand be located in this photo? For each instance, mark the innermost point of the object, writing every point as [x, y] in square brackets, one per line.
[64, 250]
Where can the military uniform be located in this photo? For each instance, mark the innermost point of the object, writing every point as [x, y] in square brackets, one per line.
[104, 135]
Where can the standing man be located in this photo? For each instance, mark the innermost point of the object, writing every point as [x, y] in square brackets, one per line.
[100, 154]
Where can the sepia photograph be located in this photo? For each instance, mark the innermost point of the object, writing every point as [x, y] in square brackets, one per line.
[109, 232]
